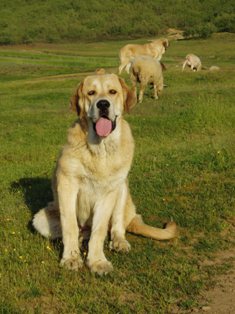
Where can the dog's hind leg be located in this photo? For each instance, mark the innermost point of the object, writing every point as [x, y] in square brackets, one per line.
[47, 221]
[143, 84]
[127, 67]
[185, 63]
[155, 91]
[118, 240]
[122, 66]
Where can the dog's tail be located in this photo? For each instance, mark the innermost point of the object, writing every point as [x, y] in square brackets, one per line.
[47, 222]
[137, 226]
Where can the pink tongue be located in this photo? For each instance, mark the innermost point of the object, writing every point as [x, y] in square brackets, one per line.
[103, 127]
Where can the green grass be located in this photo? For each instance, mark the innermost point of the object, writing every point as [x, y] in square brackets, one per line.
[60, 21]
[183, 169]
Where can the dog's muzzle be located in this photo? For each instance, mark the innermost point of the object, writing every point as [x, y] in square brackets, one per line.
[104, 125]
[103, 106]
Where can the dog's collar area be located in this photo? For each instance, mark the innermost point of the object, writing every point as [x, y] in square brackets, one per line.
[113, 125]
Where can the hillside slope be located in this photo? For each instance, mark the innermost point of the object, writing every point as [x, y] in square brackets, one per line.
[56, 21]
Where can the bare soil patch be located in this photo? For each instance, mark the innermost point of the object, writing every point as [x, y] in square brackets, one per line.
[221, 298]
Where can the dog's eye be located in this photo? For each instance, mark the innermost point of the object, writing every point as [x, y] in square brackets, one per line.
[91, 92]
[112, 92]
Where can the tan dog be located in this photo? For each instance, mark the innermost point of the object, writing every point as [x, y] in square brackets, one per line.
[193, 62]
[154, 49]
[214, 68]
[146, 70]
[90, 183]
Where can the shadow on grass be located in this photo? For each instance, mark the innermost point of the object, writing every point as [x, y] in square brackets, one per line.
[37, 193]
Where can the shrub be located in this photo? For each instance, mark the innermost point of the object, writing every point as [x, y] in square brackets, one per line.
[225, 22]
[200, 31]
[54, 21]
[6, 38]
[205, 31]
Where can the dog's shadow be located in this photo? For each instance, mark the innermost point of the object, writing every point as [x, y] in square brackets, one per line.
[36, 191]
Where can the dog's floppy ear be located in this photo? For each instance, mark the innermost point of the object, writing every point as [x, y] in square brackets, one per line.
[76, 101]
[165, 43]
[129, 96]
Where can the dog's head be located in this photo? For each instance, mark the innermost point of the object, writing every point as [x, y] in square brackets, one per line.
[101, 99]
[162, 42]
[165, 43]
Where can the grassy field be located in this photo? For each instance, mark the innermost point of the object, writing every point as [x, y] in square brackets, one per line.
[183, 169]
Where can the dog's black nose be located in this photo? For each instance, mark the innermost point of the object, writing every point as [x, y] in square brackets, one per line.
[103, 104]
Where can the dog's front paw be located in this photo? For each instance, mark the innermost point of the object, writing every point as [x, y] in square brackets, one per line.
[120, 245]
[72, 263]
[101, 267]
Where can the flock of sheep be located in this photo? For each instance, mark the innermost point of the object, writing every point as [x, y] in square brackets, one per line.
[144, 65]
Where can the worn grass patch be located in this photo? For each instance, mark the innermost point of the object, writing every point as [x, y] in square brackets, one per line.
[183, 169]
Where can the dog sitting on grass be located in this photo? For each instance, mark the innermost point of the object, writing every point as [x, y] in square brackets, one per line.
[90, 184]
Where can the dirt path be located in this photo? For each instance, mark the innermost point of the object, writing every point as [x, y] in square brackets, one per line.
[221, 298]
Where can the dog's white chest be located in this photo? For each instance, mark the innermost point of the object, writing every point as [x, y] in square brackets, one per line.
[100, 179]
